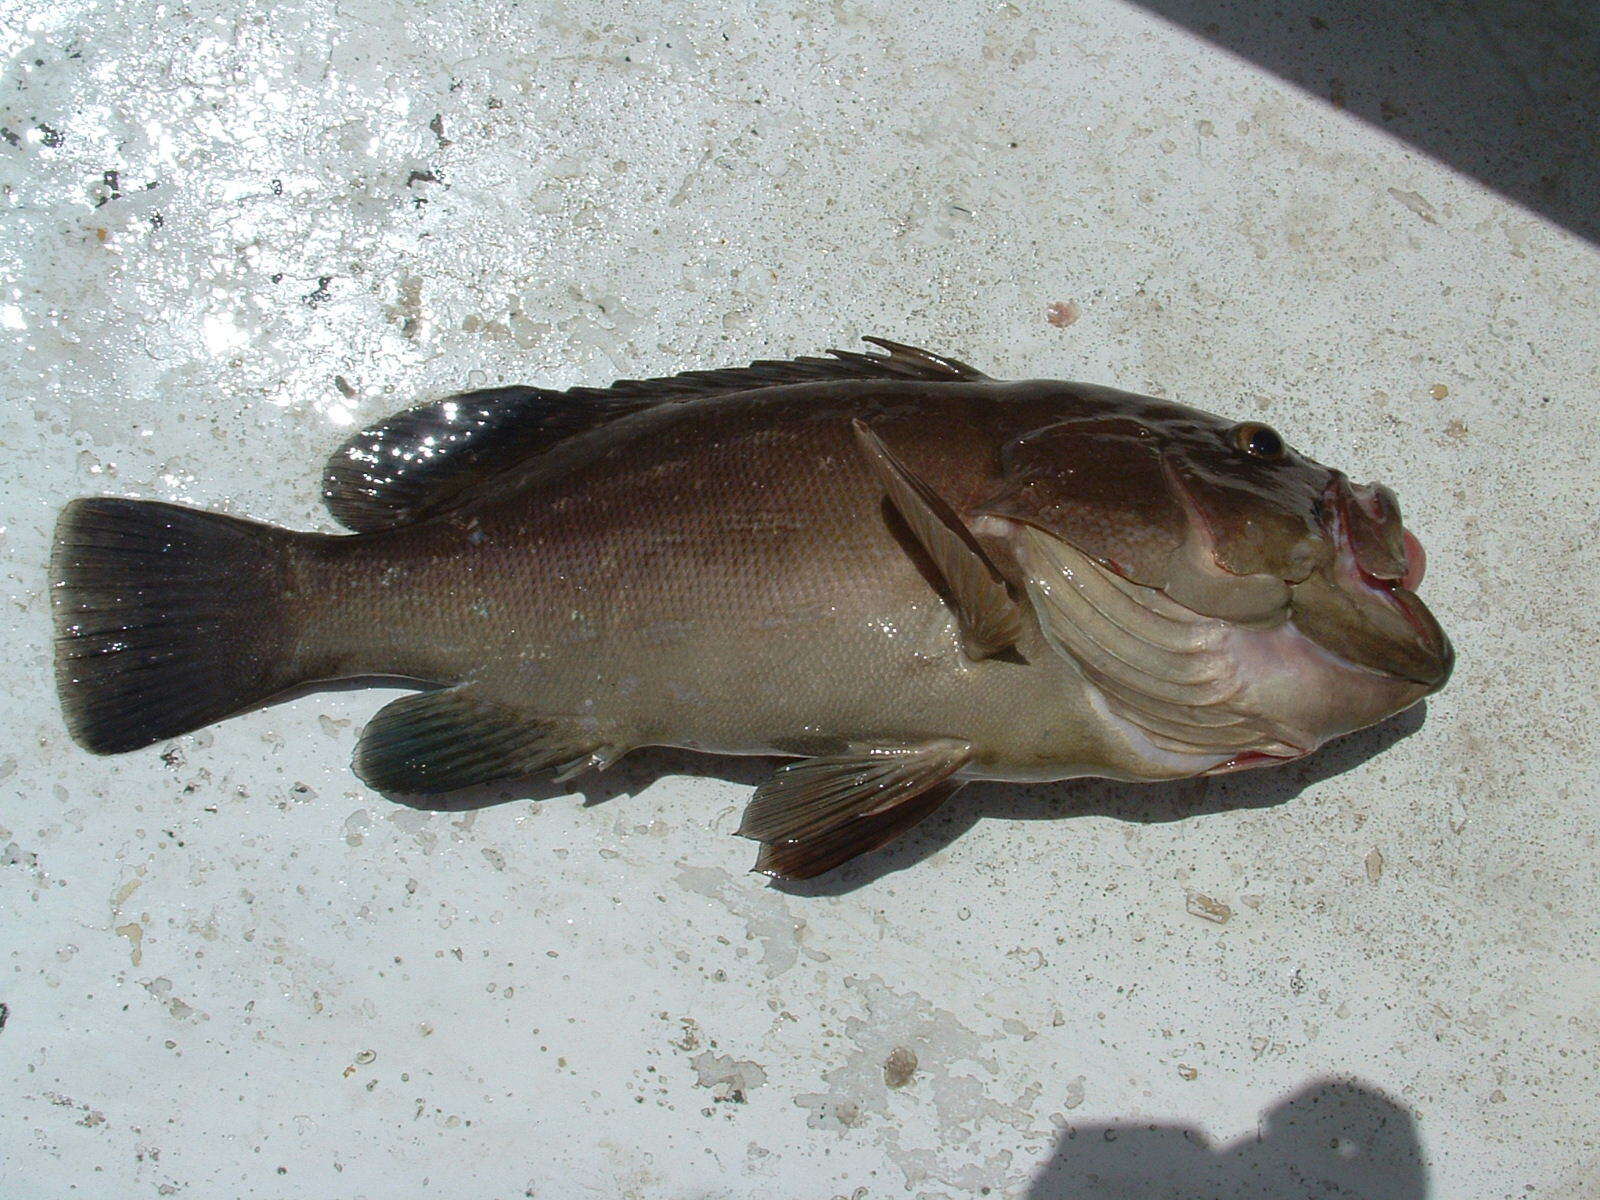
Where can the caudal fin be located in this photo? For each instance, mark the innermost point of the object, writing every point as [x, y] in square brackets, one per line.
[167, 619]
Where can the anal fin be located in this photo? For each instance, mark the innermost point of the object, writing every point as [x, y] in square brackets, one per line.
[436, 742]
[813, 815]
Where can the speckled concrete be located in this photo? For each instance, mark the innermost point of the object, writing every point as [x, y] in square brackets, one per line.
[229, 970]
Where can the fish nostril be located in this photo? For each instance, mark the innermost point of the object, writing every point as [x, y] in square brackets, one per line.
[1370, 498]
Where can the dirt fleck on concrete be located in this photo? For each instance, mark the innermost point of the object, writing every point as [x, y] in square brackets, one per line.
[899, 1067]
[1208, 909]
[1063, 313]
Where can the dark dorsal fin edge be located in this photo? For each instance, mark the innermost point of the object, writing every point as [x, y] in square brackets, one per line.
[421, 460]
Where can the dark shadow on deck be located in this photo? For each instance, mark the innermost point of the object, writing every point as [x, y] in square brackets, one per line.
[1331, 1139]
[1141, 802]
[1506, 91]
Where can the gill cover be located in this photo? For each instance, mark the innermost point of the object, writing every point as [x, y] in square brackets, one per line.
[1162, 497]
[1165, 669]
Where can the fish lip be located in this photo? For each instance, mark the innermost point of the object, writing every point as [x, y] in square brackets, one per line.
[1376, 501]
[1431, 637]
[1435, 641]
[1378, 508]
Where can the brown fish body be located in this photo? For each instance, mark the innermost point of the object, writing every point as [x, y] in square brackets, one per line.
[721, 576]
[911, 575]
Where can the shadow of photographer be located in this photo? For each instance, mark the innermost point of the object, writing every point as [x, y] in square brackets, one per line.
[1331, 1139]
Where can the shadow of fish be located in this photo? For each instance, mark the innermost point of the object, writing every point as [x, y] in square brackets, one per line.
[888, 565]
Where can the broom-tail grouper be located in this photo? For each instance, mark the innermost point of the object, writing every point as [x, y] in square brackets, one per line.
[900, 571]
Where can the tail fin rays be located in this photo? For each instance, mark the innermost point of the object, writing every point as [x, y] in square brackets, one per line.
[167, 619]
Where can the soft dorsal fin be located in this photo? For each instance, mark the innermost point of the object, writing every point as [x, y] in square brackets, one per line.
[421, 460]
[990, 619]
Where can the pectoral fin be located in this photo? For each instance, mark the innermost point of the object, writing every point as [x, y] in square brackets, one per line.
[1168, 670]
[990, 619]
[815, 814]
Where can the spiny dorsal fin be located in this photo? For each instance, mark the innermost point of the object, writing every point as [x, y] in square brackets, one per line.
[422, 460]
[900, 362]
[990, 619]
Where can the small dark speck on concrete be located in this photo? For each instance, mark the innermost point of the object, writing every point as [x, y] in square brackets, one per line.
[10, 136]
[421, 177]
[276, 277]
[317, 297]
[277, 187]
[5, 1014]
[52, 137]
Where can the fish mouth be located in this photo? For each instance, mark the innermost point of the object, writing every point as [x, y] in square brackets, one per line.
[1364, 606]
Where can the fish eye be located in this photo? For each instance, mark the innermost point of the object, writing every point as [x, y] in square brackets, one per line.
[1259, 441]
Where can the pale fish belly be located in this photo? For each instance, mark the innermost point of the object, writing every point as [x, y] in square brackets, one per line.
[1186, 694]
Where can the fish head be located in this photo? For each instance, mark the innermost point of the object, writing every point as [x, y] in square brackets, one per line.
[1317, 575]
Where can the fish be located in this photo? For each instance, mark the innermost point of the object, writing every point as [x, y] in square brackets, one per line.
[885, 566]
